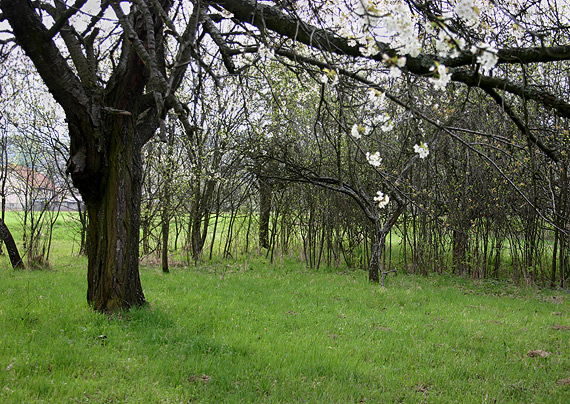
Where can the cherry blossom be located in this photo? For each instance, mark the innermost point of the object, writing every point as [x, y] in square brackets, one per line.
[442, 77]
[358, 130]
[374, 159]
[382, 199]
[422, 150]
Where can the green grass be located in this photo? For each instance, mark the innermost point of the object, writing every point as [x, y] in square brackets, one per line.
[251, 332]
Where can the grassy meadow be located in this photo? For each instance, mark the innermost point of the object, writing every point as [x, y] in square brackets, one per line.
[248, 331]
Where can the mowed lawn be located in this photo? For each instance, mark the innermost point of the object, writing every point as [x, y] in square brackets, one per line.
[253, 332]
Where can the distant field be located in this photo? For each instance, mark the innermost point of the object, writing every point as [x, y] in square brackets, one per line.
[252, 332]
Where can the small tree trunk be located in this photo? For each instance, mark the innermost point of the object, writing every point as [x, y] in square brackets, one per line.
[201, 218]
[83, 233]
[165, 219]
[13, 252]
[459, 250]
[145, 224]
[165, 230]
[215, 223]
[554, 255]
[264, 212]
[374, 265]
[377, 247]
[166, 190]
[196, 224]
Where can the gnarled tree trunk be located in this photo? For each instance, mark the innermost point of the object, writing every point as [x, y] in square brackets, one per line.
[114, 223]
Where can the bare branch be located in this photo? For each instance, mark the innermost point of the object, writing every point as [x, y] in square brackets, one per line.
[64, 17]
[216, 35]
[554, 155]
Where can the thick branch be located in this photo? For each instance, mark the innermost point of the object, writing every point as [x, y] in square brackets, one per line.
[273, 18]
[13, 253]
[216, 35]
[516, 55]
[73, 44]
[185, 52]
[549, 101]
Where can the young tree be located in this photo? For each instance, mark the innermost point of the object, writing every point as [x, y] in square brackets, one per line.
[3, 170]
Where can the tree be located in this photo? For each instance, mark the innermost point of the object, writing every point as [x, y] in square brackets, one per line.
[111, 112]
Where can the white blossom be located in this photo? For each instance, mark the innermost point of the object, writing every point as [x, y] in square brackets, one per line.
[422, 150]
[467, 11]
[369, 11]
[355, 133]
[395, 72]
[377, 97]
[370, 47]
[487, 57]
[518, 31]
[443, 77]
[387, 126]
[374, 159]
[358, 130]
[395, 63]
[442, 44]
[459, 46]
[400, 23]
[329, 75]
[382, 199]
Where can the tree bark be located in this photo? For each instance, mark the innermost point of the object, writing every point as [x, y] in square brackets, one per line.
[196, 224]
[200, 216]
[114, 224]
[13, 252]
[196, 231]
[374, 269]
[165, 231]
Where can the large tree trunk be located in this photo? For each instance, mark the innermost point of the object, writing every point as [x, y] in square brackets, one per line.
[114, 225]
